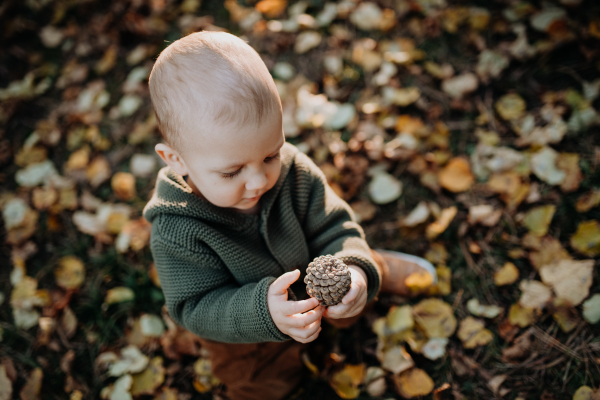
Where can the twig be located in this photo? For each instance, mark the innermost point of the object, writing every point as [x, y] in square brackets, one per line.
[470, 262]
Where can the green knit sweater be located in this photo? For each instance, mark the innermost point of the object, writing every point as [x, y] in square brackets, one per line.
[215, 265]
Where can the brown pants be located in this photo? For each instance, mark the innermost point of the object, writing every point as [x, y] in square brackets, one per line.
[265, 371]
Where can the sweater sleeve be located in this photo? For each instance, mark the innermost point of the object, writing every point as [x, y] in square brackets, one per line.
[202, 296]
[330, 227]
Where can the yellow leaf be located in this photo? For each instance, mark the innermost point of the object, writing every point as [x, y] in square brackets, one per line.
[441, 224]
[418, 282]
[570, 279]
[549, 251]
[399, 319]
[70, 273]
[538, 219]
[506, 275]
[119, 294]
[565, 315]
[78, 159]
[435, 318]
[123, 185]
[443, 286]
[472, 332]
[412, 383]
[521, 316]
[511, 106]
[437, 254]
[456, 176]
[98, 171]
[585, 393]
[346, 382]
[587, 238]
[147, 381]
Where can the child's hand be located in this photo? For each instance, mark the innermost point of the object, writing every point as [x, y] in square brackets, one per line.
[290, 316]
[355, 300]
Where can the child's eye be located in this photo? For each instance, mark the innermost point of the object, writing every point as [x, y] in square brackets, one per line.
[272, 158]
[229, 175]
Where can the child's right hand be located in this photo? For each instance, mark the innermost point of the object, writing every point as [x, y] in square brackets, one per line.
[291, 317]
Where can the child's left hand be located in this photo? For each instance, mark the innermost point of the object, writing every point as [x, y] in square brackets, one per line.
[354, 301]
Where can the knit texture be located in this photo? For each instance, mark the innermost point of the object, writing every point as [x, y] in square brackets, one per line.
[215, 265]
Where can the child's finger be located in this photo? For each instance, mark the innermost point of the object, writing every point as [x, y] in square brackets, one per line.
[336, 311]
[305, 333]
[351, 295]
[301, 320]
[295, 307]
[281, 284]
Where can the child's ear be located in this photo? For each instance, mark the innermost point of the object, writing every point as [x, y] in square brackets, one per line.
[172, 158]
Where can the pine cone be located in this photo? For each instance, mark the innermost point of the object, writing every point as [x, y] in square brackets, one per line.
[327, 280]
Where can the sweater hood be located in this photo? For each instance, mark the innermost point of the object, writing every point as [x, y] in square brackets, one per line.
[173, 196]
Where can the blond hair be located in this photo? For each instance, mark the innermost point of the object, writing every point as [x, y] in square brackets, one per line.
[209, 76]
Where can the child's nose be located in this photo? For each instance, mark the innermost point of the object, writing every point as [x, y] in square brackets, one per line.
[257, 182]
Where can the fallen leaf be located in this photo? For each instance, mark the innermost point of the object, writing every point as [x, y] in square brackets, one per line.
[521, 316]
[32, 387]
[460, 85]
[435, 348]
[587, 238]
[570, 279]
[569, 163]
[484, 214]
[70, 273]
[271, 8]
[384, 188]
[346, 382]
[307, 40]
[435, 318]
[472, 332]
[565, 315]
[417, 216]
[538, 219]
[456, 176]
[401, 97]
[506, 275]
[443, 286]
[98, 171]
[588, 200]
[520, 349]
[480, 310]
[147, 381]
[585, 393]
[549, 251]
[131, 360]
[123, 185]
[395, 359]
[511, 106]
[591, 309]
[543, 165]
[119, 294]
[151, 325]
[441, 224]
[413, 383]
[6, 387]
[35, 174]
[534, 294]
[491, 64]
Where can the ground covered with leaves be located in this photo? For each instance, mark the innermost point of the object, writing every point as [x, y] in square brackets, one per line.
[464, 132]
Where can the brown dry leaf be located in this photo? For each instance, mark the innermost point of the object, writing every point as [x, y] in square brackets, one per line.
[588, 200]
[134, 235]
[70, 273]
[346, 382]
[123, 185]
[507, 275]
[549, 251]
[570, 279]
[33, 386]
[30, 155]
[461, 85]
[441, 224]
[5, 384]
[68, 322]
[25, 229]
[519, 350]
[78, 159]
[587, 238]
[521, 316]
[167, 393]
[538, 219]
[435, 318]
[456, 176]
[271, 8]
[511, 106]
[509, 185]
[569, 163]
[364, 210]
[534, 294]
[413, 383]
[150, 379]
[472, 332]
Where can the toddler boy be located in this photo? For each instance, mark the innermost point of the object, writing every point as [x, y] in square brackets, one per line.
[238, 214]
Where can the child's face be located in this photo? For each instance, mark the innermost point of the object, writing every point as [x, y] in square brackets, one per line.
[233, 167]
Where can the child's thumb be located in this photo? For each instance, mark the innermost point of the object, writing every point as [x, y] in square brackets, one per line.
[282, 283]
